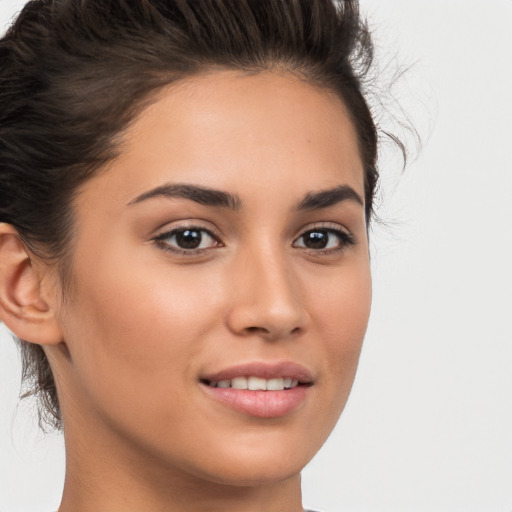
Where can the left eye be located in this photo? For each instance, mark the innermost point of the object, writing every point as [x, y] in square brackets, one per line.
[321, 239]
[187, 239]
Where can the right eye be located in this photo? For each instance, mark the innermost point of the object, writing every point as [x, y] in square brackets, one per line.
[187, 240]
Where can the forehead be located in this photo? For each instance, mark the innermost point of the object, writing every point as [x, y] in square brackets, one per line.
[239, 132]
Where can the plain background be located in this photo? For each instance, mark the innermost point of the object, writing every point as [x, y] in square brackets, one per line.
[428, 426]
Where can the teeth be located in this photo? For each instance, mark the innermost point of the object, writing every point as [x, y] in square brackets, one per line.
[239, 383]
[275, 384]
[257, 383]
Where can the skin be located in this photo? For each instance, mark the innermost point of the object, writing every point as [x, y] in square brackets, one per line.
[140, 325]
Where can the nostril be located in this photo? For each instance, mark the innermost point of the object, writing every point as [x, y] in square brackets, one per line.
[256, 329]
[271, 333]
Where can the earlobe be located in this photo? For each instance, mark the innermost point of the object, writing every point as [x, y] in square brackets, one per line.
[22, 308]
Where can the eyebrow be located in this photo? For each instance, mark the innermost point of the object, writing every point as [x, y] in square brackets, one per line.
[201, 195]
[212, 197]
[330, 197]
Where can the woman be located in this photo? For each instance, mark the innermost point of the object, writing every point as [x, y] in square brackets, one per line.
[186, 190]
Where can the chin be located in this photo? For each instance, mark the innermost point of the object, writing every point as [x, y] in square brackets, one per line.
[253, 459]
[255, 473]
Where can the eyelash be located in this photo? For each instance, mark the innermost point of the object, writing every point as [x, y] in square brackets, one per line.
[160, 240]
[345, 240]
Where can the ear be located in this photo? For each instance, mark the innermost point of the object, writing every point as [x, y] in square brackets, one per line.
[23, 308]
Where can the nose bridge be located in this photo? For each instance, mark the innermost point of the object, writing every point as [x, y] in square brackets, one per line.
[267, 299]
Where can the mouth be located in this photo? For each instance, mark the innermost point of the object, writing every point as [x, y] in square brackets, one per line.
[260, 390]
[254, 383]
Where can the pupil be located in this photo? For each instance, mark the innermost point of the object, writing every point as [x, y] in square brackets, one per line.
[316, 239]
[188, 239]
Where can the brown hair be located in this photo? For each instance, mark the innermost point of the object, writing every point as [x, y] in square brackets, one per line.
[74, 73]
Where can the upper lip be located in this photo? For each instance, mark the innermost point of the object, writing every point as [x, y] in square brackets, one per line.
[264, 370]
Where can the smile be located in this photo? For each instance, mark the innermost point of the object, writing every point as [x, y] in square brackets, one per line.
[256, 383]
[260, 390]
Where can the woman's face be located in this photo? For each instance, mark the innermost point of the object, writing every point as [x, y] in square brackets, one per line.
[226, 247]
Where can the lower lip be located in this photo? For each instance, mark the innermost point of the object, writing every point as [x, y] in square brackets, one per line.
[260, 404]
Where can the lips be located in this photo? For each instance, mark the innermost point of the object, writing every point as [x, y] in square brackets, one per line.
[266, 371]
[261, 390]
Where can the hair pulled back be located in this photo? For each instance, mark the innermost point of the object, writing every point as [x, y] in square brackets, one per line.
[75, 73]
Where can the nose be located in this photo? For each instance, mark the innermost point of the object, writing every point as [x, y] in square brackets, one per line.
[266, 299]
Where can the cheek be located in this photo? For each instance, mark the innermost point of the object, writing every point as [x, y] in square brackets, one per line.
[136, 329]
[138, 306]
[342, 312]
[343, 304]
